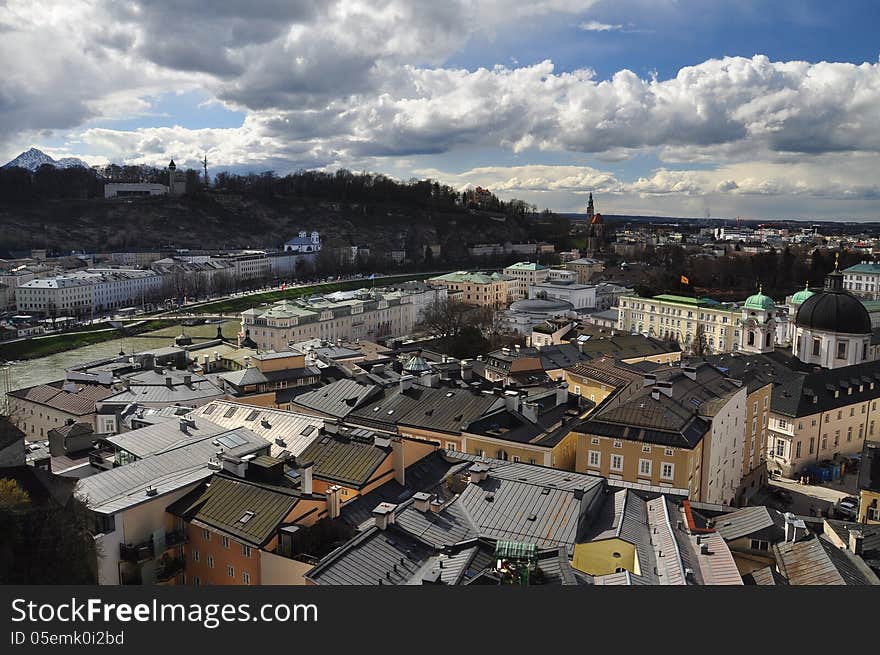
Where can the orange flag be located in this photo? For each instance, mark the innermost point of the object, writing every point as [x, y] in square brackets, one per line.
[684, 280]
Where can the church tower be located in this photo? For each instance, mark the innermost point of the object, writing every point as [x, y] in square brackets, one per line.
[591, 212]
[757, 327]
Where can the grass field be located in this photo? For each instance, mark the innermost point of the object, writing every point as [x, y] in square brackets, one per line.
[40, 347]
[235, 305]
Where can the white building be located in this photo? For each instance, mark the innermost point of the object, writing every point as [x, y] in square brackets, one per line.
[304, 242]
[85, 293]
[863, 280]
[832, 328]
[524, 274]
[134, 190]
[581, 296]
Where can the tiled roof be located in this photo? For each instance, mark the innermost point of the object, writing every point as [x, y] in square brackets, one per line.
[80, 403]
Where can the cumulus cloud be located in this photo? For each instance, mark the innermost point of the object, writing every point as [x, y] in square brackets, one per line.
[336, 82]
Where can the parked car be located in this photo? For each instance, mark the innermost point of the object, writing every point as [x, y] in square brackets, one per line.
[848, 508]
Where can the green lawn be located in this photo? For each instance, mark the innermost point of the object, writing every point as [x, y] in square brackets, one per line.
[34, 348]
[235, 305]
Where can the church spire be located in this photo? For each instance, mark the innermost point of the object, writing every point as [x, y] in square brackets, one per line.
[591, 212]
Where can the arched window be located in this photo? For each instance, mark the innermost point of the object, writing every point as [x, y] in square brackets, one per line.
[751, 338]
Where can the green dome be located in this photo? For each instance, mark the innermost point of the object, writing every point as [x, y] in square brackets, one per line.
[801, 296]
[760, 301]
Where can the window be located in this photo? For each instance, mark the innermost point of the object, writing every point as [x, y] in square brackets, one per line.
[780, 448]
[515, 459]
[841, 350]
[783, 424]
[245, 550]
[225, 541]
[577, 390]
[617, 462]
[836, 437]
[817, 344]
[196, 581]
[644, 467]
[595, 458]
[618, 443]
[849, 433]
[595, 441]
[230, 571]
[667, 471]
[206, 535]
[195, 555]
[245, 577]
[874, 513]
[450, 445]
[812, 444]
[646, 449]
[758, 544]
[798, 449]
[210, 561]
[669, 452]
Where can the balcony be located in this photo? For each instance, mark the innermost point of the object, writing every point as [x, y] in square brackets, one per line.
[169, 568]
[136, 553]
[176, 538]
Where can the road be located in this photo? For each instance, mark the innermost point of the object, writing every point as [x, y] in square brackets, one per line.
[807, 499]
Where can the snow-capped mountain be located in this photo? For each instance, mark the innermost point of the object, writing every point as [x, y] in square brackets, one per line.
[32, 159]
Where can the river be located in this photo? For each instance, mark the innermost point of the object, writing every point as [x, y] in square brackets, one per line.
[50, 368]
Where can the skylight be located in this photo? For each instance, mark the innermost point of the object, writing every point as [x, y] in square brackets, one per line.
[247, 516]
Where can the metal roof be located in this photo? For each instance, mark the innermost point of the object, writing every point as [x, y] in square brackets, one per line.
[817, 561]
[164, 436]
[337, 399]
[746, 521]
[126, 486]
[288, 433]
[248, 511]
[346, 460]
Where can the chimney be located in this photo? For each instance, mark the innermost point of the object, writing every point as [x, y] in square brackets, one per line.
[663, 387]
[305, 471]
[422, 501]
[478, 472]
[437, 506]
[205, 360]
[562, 394]
[398, 460]
[187, 380]
[333, 504]
[247, 362]
[378, 369]
[169, 382]
[233, 465]
[512, 400]
[530, 411]
[856, 541]
[467, 371]
[795, 528]
[183, 424]
[517, 348]
[649, 380]
[406, 382]
[690, 372]
[383, 515]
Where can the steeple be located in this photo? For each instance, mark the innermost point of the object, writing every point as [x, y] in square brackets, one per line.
[591, 212]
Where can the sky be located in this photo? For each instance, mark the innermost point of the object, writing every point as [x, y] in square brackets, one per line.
[759, 109]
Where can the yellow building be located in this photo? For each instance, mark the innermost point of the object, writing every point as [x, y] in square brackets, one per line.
[678, 431]
[869, 483]
[476, 288]
[680, 318]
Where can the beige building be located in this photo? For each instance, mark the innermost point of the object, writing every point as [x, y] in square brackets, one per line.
[367, 315]
[682, 319]
[683, 430]
[523, 275]
[584, 268]
[476, 288]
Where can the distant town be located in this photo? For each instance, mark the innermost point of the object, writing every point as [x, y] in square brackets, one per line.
[633, 403]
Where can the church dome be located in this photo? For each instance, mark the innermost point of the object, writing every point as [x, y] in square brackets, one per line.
[834, 310]
[760, 302]
[802, 295]
[541, 306]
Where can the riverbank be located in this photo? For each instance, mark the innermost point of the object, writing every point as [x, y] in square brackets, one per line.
[36, 347]
[236, 305]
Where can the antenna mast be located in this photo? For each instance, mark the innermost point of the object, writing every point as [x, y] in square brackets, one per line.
[205, 162]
